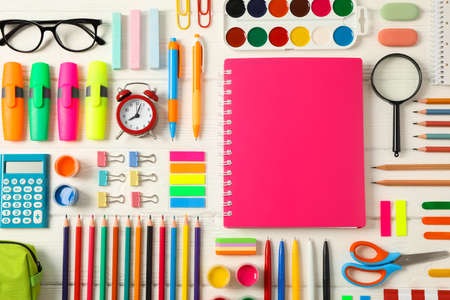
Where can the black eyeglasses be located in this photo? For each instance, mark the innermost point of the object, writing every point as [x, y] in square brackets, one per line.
[75, 35]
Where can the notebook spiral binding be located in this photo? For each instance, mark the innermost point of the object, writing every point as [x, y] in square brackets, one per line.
[226, 126]
[439, 42]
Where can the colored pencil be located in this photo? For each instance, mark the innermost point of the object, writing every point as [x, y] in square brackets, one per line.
[433, 111]
[162, 260]
[65, 266]
[103, 249]
[434, 136]
[115, 259]
[433, 123]
[433, 149]
[268, 271]
[149, 274]
[90, 275]
[326, 272]
[295, 271]
[126, 268]
[137, 260]
[78, 244]
[413, 182]
[413, 167]
[173, 260]
[434, 101]
[185, 273]
[311, 271]
[197, 260]
[281, 272]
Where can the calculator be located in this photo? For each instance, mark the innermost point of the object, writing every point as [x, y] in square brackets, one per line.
[24, 191]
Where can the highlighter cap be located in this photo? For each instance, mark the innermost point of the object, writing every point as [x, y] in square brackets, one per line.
[98, 73]
[68, 75]
[12, 74]
[40, 75]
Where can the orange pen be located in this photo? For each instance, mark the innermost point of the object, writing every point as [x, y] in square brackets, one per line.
[12, 102]
[198, 60]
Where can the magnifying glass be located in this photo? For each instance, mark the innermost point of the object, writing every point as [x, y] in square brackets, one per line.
[396, 78]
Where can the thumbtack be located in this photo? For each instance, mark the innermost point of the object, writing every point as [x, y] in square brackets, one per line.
[103, 199]
[104, 177]
[135, 177]
[137, 199]
[135, 158]
[103, 158]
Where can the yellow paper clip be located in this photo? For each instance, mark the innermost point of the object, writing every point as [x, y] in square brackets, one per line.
[103, 199]
[135, 177]
[201, 13]
[184, 13]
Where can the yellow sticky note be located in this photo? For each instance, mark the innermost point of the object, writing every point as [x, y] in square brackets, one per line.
[187, 179]
[401, 227]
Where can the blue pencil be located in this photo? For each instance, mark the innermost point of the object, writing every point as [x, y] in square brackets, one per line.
[281, 279]
[433, 111]
[173, 260]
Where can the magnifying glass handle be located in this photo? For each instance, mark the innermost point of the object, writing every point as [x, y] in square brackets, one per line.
[396, 128]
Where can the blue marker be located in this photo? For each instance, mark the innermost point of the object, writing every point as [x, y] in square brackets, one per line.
[174, 74]
[281, 279]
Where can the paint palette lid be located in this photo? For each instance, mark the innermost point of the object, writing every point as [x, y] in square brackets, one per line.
[293, 24]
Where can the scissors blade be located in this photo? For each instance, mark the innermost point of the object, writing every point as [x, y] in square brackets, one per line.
[410, 259]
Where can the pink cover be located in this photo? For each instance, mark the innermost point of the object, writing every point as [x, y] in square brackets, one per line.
[296, 143]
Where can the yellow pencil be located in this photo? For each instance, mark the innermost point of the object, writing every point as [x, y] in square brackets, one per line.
[184, 286]
[137, 261]
[295, 272]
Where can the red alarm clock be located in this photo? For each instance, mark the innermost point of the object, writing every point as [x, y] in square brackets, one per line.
[136, 113]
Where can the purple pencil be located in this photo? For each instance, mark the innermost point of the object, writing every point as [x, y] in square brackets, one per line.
[197, 261]
[65, 272]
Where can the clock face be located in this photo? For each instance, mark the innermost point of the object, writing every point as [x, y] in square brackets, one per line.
[136, 114]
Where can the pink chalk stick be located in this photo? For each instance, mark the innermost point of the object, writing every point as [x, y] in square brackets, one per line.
[135, 39]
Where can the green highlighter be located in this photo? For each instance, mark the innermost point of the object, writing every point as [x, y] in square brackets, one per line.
[39, 101]
[96, 100]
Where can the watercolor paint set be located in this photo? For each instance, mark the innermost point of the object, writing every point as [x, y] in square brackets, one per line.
[293, 24]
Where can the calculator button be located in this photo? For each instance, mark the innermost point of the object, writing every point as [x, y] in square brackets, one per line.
[6, 197]
[17, 204]
[6, 213]
[14, 181]
[37, 217]
[16, 212]
[6, 189]
[38, 189]
[17, 189]
[6, 204]
[27, 189]
[27, 212]
[27, 205]
[6, 220]
[22, 181]
[17, 197]
[37, 204]
[31, 181]
[27, 197]
[26, 220]
[37, 197]
[39, 181]
[16, 220]
[6, 181]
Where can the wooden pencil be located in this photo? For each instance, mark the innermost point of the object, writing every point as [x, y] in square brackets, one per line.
[185, 269]
[137, 260]
[433, 123]
[115, 259]
[433, 112]
[434, 136]
[103, 253]
[65, 272]
[91, 253]
[149, 271]
[434, 101]
[400, 182]
[78, 244]
[197, 261]
[162, 260]
[173, 260]
[433, 149]
[126, 268]
[412, 167]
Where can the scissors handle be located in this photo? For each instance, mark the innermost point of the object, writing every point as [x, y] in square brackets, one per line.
[382, 257]
[384, 272]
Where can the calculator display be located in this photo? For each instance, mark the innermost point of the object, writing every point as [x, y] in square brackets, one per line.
[24, 167]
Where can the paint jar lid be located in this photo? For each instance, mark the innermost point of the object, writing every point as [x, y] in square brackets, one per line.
[67, 166]
[247, 274]
[219, 276]
[66, 195]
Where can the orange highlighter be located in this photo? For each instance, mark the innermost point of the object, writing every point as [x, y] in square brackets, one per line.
[196, 90]
[12, 102]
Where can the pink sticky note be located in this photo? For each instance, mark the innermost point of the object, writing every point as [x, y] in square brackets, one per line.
[187, 156]
[135, 39]
[385, 218]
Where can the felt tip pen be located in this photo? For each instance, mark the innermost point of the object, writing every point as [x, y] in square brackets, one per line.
[39, 101]
[198, 61]
[12, 102]
[96, 100]
[68, 102]
[174, 74]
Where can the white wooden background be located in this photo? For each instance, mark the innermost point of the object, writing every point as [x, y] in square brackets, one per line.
[378, 120]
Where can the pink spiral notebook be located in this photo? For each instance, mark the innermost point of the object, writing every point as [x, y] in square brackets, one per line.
[293, 143]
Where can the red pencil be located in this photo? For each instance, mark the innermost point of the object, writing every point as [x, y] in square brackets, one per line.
[434, 123]
[268, 272]
[115, 259]
[433, 149]
[162, 259]
[78, 242]
[91, 259]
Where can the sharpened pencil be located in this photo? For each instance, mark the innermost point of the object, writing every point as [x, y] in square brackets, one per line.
[400, 182]
[433, 123]
[103, 249]
[185, 270]
[115, 259]
[65, 272]
[162, 260]
[412, 167]
[434, 101]
[137, 259]
[90, 278]
[149, 274]
[434, 136]
[433, 149]
[78, 245]
[197, 260]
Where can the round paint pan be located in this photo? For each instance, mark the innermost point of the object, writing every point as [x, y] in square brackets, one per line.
[343, 8]
[343, 36]
[257, 8]
[235, 8]
[300, 36]
[321, 36]
[247, 275]
[257, 37]
[278, 36]
[278, 8]
[300, 8]
[219, 276]
[235, 37]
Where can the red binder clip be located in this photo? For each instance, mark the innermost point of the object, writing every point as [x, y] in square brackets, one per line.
[200, 13]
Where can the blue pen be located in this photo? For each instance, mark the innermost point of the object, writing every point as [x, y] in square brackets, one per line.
[173, 260]
[174, 74]
[281, 280]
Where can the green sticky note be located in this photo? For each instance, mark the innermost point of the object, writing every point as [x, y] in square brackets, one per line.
[179, 191]
[347, 297]
[397, 11]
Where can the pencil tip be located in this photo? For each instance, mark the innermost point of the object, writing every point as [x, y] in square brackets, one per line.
[66, 216]
[415, 111]
[415, 149]
[415, 123]
[374, 182]
[415, 136]
[415, 101]
[373, 167]
[149, 217]
[198, 218]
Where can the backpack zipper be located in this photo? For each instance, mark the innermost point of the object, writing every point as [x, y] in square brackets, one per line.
[38, 264]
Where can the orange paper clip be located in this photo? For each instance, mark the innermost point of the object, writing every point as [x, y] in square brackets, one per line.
[436, 220]
[201, 13]
[437, 235]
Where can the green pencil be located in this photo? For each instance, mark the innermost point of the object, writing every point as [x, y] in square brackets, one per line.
[104, 233]
[126, 268]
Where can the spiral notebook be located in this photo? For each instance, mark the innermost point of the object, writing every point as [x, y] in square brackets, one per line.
[441, 69]
[293, 142]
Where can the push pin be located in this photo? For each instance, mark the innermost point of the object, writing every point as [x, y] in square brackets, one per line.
[137, 199]
[136, 158]
[135, 178]
[103, 158]
[104, 178]
[103, 199]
